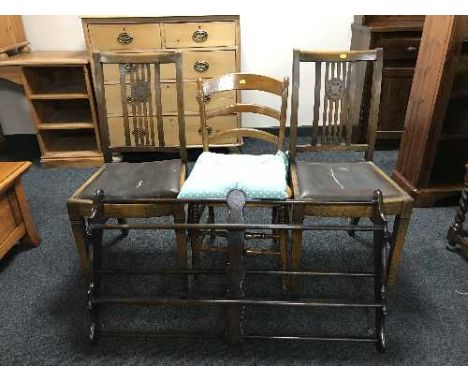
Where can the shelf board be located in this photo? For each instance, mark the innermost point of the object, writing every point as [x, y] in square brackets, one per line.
[65, 126]
[71, 154]
[448, 137]
[65, 117]
[58, 96]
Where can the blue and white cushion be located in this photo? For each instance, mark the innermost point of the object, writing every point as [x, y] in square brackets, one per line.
[258, 176]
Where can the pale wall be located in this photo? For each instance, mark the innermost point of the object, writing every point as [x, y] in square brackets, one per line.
[268, 37]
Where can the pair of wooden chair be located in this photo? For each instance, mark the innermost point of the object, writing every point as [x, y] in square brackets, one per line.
[326, 189]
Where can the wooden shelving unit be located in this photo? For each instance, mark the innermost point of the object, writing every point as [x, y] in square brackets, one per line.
[59, 90]
[400, 38]
[434, 148]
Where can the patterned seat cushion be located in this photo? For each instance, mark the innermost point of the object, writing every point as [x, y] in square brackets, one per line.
[258, 176]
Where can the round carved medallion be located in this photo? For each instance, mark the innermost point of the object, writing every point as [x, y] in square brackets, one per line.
[335, 88]
[140, 91]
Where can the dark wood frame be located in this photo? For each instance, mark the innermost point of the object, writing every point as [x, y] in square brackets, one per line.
[142, 58]
[234, 299]
[399, 206]
[79, 209]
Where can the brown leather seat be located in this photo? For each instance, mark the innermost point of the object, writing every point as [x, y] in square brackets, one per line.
[160, 179]
[342, 181]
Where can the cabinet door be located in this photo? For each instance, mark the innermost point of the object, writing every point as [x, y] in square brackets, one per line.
[396, 88]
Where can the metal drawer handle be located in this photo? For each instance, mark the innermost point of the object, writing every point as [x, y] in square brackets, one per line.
[200, 35]
[130, 67]
[124, 38]
[201, 66]
[209, 130]
[411, 49]
[137, 131]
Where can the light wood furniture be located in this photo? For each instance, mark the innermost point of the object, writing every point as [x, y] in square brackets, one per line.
[339, 189]
[58, 88]
[434, 148]
[16, 223]
[210, 46]
[126, 185]
[12, 36]
[399, 36]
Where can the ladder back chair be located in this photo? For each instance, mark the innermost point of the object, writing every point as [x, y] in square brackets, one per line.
[242, 81]
[135, 190]
[335, 189]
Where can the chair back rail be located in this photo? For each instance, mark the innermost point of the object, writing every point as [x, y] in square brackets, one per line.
[243, 81]
[336, 85]
[140, 93]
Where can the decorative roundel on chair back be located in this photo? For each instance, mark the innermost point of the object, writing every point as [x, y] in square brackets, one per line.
[334, 88]
[140, 91]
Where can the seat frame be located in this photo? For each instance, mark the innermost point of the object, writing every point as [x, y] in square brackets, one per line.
[401, 207]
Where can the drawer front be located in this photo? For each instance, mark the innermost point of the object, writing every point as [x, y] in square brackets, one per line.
[217, 124]
[124, 36]
[168, 98]
[188, 35]
[400, 49]
[112, 73]
[203, 64]
[117, 131]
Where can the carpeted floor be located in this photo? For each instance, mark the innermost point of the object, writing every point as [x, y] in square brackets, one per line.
[43, 320]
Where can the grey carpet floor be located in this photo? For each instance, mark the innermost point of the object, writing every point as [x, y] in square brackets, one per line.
[43, 320]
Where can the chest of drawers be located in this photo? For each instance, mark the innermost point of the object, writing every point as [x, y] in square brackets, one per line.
[210, 46]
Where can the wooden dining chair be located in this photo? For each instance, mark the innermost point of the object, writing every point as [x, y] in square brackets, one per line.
[241, 169]
[140, 129]
[334, 189]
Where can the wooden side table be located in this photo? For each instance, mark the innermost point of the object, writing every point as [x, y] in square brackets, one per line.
[16, 223]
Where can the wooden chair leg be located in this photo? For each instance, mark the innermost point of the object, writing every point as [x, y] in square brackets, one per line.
[31, 237]
[353, 221]
[195, 242]
[283, 244]
[456, 232]
[211, 220]
[296, 249]
[400, 229]
[79, 233]
[181, 239]
[124, 231]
